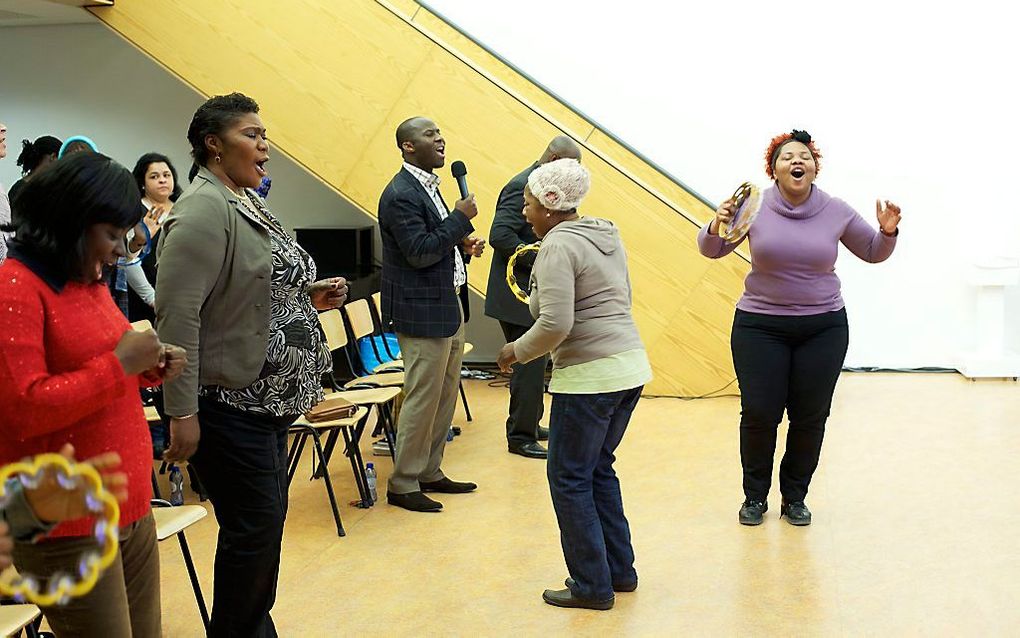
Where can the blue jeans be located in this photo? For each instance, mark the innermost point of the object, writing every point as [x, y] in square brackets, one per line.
[584, 431]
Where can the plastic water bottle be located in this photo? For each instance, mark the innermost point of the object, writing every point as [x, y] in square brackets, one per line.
[176, 486]
[449, 434]
[371, 476]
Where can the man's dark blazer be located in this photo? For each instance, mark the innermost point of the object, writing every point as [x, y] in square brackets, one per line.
[510, 230]
[417, 276]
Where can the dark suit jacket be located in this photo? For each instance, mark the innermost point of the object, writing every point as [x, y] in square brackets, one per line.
[510, 230]
[417, 276]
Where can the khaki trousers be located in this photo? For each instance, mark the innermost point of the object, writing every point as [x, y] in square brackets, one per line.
[125, 601]
[431, 385]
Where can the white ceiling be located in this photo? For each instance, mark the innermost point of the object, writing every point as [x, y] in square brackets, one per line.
[23, 13]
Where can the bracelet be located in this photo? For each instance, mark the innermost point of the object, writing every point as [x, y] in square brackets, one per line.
[186, 416]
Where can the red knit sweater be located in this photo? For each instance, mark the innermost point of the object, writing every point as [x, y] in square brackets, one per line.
[61, 382]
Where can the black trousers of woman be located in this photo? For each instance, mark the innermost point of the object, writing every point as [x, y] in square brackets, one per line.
[786, 363]
[242, 458]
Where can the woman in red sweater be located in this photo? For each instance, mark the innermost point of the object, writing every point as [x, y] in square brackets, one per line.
[70, 368]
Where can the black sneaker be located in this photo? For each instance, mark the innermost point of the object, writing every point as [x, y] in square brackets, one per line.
[753, 512]
[796, 513]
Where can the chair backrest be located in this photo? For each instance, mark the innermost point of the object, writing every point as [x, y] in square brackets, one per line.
[332, 323]
[360, 316]
[142, 326]
[391, 351]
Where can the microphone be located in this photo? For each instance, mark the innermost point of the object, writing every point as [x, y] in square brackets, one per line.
[460, 174]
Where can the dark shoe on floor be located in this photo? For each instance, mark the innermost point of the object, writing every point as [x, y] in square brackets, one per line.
[529, 450]
[796, 513]
[543, 434]
[624, 587]
[446, 486]
[414, 501]
[564, 598]
[753, 512]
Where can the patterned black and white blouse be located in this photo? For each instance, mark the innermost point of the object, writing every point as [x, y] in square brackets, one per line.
[297, 355]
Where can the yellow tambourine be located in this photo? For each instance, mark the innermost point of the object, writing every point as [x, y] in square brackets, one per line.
[61, 587]
[511, 278]
[747, 202]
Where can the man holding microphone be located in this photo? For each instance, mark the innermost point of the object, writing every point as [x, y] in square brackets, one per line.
[426, 248]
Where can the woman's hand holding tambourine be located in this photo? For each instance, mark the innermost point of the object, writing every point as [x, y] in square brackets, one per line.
[723, 216]
[888, 216]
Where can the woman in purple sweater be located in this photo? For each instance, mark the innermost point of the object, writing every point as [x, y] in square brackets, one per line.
[790, 333]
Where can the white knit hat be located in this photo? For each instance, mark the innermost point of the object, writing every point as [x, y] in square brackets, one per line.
[560, 185]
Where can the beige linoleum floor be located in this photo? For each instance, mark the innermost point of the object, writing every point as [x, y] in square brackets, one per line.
[915, 531]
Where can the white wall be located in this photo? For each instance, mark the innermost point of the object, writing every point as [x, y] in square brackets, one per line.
[85, 80]
[908, 101]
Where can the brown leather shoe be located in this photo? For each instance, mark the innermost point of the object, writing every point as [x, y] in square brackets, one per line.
[413, 501]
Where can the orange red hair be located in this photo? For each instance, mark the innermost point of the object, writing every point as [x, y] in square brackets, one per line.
[772, 152]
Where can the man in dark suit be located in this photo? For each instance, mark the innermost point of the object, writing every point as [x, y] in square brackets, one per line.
[424, 294]
[509, 232]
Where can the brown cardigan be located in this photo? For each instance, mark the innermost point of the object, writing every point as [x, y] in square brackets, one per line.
[212, 291]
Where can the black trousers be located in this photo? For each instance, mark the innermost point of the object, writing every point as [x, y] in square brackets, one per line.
[527, 386]
[242, 458]
[791, 363]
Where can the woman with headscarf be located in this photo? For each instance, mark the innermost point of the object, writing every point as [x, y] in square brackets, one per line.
[581, 301]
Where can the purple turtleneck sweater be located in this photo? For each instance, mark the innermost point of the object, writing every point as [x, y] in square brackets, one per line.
[793, 253]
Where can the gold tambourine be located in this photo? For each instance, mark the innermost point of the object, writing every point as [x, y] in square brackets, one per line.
[62, 587]
[511, 278]
[747, 202]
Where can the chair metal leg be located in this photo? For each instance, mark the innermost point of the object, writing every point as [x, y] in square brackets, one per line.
[359, 475]
[463, 398]
[32, 628]
[292, 449]
[155, 486]
[299, 446]
[390, 429]
[194, 579]
[331, 440]
[329, 485]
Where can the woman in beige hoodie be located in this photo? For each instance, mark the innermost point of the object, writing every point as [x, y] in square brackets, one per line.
[581, 301]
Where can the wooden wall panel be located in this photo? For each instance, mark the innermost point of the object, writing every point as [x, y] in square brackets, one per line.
[335, 79]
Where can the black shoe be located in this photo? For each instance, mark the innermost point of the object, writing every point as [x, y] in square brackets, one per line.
[414, 501]
[564, 598]
[456, 430]
[543, 434]
[529, 450]
[446, 486]
[796, 513]
[753, 512]
[626, 587]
